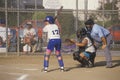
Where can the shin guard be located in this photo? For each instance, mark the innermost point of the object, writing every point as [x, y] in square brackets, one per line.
[46, 60]
[60, 60]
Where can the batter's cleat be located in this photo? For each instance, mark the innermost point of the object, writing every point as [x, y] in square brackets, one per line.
[109, 65]
[45, 70]
[62, 70]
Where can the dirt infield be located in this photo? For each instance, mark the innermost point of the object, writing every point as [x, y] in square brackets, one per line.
[29, 68]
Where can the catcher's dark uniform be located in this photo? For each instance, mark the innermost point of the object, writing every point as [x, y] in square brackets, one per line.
[76, 55]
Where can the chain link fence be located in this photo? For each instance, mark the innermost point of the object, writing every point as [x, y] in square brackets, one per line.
[17, 16]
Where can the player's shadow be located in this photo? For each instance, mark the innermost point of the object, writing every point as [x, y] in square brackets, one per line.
[103, 63]
[66, 68]
[116, 63]
[54, 69]
[97, 64]
[74, 67]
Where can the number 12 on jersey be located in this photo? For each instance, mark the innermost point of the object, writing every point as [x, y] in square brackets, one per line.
[55, 32]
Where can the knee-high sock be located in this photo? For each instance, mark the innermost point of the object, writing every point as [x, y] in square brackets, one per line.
[60, 60]
[46, 60]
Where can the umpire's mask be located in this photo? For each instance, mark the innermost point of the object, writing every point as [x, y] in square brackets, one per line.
[89, 23]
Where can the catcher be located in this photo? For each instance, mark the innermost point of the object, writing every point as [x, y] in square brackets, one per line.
[87, 52]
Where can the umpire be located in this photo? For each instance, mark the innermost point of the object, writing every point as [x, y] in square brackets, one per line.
[101, 36]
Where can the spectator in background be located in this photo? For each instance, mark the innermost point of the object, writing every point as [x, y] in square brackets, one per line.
[21, 37]
[21, 30]
[1, 42]
[40, 40]
[3, 32]
[30, 37]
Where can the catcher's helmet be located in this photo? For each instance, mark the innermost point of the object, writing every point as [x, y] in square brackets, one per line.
[89, 22]
[81, 33]
[2, 21]
[50, 19]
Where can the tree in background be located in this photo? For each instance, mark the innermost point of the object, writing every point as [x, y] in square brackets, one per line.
[67, 24]
[109, 14]
[2, 3]
[38, 15]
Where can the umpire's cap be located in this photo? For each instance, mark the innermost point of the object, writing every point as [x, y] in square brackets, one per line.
[50, 19]
[89, 22]
[2, 21]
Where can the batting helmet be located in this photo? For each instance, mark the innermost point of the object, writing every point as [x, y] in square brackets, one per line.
[2, 21]
[50, 19]
[89, 22]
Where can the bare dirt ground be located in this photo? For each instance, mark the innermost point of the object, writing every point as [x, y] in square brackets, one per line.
[28, 67]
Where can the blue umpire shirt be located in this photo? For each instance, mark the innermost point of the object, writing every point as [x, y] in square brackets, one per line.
[98, 32]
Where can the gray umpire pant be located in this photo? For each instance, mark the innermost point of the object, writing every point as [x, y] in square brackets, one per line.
[107, 50]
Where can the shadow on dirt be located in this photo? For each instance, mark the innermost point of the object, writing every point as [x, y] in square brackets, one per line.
[116, 63]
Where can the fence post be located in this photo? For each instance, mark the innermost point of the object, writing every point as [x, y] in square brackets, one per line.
[18, 15]
[86, 9]
[6, 18]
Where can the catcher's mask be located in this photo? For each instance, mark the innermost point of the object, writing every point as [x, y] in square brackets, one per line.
[89, 22]
[81, 33]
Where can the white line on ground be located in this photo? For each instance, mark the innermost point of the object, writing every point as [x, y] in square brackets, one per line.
[11, 73]
[23, 77]
[28, 69]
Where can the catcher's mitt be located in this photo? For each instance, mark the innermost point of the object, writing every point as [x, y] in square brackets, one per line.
[69, 42]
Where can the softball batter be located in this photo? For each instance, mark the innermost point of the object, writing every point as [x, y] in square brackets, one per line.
[54, 42]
